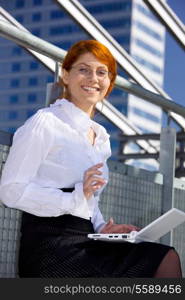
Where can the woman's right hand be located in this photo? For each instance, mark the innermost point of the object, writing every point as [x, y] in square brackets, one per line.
[92, 182]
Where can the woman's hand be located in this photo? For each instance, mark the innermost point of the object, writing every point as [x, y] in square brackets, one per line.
[92, 182]
[111, 227]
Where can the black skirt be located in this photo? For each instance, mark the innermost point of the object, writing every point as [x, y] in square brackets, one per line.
[55, 247]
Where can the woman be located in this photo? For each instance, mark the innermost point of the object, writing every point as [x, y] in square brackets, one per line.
[55, 172]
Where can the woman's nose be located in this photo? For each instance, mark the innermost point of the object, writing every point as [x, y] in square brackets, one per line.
[93, 74]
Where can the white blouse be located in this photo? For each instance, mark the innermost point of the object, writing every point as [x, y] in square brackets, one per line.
[52, 151]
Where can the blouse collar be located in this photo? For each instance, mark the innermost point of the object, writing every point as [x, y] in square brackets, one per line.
[80, 120]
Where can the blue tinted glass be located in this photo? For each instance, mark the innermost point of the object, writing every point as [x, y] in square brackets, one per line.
[33, 81]
[16, 67]
[13, 115]
[148, 47]
[63, 45]
[11, 129]
[109, 7]
[49, 78]
[14, 83]
[19, 3]
[36, 31]
[32, 98]
[147, 64]
[123, 39]
[34, 65]
[148, 30]
[14, 99]
[30, 112]
[57, 30]
[145, 115]
[146, 12]
[144, 129]
[37, 2]
[125, 22]
[20, 18]
[36, 17]
[16, 50]
[56, 14]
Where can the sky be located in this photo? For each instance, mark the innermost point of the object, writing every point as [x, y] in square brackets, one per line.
[174, 79]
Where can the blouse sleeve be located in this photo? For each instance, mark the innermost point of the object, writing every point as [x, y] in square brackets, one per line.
[97, 218]
[30, 147]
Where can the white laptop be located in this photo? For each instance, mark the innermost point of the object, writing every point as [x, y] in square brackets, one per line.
[151, 232]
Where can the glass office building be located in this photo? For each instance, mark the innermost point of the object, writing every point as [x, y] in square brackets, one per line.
[23, 79]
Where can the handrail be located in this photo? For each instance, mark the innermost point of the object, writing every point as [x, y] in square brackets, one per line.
[166, 104]
[114, 116]
[169, 19]
[30, 41]
[80, 14]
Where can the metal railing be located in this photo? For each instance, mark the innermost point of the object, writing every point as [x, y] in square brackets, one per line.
[93, 27]
[166, 15]
[32, 42]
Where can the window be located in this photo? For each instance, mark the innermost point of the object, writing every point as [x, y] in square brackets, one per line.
[37, 2]
[63, 45]
[109, 7]
[34, 65]
[19, 3]
[148, 30]
[32, 98]
[16, 51]
[36, 31]
[114, 23]
[147, 64]
[56, 14]
[11, 129]
[14, 99]
[121, 107]
[144, 129]
[57, 30]
[146, 115]
[146, 12]
[13, 114]
[36, 17]
[49, 78]
[123, 39]
[33, 81]
[30, 112]
[20, 18]
[149, 48]
[14, 83]
[16, 67]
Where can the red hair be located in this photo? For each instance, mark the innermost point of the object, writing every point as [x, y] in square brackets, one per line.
[100, 51]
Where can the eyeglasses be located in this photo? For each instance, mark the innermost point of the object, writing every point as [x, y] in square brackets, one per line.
[86, 71]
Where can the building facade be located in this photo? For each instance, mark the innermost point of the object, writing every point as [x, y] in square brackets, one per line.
[23, 79]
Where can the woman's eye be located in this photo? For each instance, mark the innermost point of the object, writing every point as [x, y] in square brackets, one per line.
[102, 72]
[83, 70]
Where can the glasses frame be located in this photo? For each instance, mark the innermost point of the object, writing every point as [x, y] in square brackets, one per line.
[88, 71]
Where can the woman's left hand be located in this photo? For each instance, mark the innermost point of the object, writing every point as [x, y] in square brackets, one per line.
[112, 227]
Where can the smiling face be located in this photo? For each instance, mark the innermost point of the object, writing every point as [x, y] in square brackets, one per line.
[87, 82]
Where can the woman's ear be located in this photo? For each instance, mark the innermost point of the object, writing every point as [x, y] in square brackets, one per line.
[65, 75]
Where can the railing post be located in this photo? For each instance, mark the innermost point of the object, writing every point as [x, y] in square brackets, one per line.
[53, 89]
[167, 168]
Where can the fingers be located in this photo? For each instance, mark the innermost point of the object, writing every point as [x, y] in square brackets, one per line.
[95, 179]
[91, 185]
[92, 180]
[89, 173]
[93, 170]
[111, 227]
[128, 228]
[111, 221]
